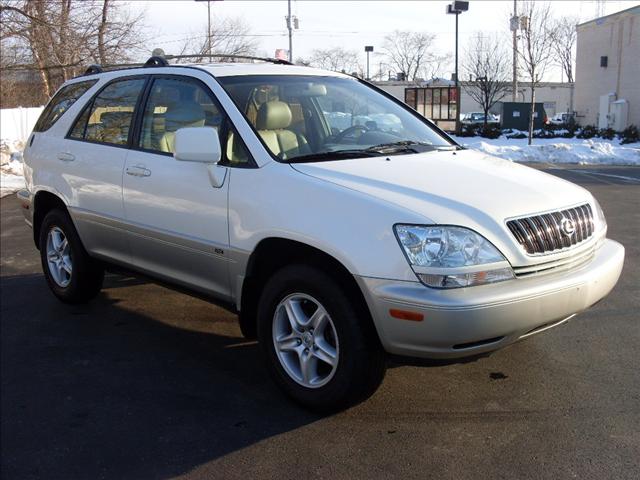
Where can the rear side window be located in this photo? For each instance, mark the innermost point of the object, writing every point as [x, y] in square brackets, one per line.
[60, 103]
[108, 119]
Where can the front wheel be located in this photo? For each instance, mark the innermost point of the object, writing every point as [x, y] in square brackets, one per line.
[73, 276]
[321, 348]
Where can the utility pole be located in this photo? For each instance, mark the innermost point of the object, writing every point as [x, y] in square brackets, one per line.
[514, 29]
[290, 28]
[209, 28]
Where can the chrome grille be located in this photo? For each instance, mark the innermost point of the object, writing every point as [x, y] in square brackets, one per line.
[549, 232]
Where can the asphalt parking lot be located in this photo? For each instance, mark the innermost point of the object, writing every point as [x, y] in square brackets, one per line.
[145, 382]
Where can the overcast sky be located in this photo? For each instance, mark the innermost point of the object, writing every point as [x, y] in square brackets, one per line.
[350, 24]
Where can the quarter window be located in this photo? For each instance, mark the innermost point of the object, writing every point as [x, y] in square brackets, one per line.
[109, 118]
[60, 103]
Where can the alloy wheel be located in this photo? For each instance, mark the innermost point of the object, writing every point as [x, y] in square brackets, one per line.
[59, 258]
[305, 340]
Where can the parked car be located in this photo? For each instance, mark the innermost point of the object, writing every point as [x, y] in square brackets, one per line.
[563, 118]
[477, 118]
[336, 243]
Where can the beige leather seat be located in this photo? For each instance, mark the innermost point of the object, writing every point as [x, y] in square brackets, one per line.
[181, 115]
[273, 121]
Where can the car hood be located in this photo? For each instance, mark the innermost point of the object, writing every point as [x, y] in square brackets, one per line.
[463, 187]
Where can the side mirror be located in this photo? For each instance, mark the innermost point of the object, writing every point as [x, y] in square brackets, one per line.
[197, 144]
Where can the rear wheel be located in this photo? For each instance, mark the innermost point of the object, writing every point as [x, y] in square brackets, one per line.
[72, 275]
[320, 347]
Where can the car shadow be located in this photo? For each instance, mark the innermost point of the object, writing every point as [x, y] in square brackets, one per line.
[102, 390]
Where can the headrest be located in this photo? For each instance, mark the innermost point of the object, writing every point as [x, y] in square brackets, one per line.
[184, 114]
[273, 115]
[115, 119]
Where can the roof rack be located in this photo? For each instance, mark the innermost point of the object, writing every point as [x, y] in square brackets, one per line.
[162, 61]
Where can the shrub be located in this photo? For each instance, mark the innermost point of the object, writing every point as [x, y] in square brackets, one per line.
[587, 132]
[469, 130]
[630, 135]
[517, 134]
[607, 133]
[491, 131]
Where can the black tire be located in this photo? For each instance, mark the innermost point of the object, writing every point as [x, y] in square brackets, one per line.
[361, 362]
[86, 275]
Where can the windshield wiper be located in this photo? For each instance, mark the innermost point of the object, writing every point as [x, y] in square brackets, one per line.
[402, 146]
[337, 155]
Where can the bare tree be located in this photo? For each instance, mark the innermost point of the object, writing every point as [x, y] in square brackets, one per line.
[564, 34]
[488, 65]
[536, 49]
[59, 38]
[229, 36]
[410, 52]
[336, 58]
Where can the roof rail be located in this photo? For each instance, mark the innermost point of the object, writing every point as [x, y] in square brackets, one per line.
[162, 61]
[156, 61]
[232, 57]
[92, 69]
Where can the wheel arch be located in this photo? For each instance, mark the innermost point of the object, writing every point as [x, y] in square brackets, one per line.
[43, 202]
[273, 253]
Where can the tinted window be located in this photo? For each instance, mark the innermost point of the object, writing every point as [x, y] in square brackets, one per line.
[60, 103]
[175, 103]
[111, 113]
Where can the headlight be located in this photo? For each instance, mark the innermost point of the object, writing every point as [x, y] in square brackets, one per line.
[600, 216]
[451, 257]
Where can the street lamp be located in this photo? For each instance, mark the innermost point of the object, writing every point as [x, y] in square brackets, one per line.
[456, 8]
[368, 49]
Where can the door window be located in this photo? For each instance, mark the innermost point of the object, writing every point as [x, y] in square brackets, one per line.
[175, 103]
[111, 114]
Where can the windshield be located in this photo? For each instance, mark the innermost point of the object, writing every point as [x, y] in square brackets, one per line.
[312, 118]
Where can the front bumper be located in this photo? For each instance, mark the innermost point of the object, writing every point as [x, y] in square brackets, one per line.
[468, 321]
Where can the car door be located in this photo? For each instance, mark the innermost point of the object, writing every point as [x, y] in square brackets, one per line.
[96, 149]
[177, 210]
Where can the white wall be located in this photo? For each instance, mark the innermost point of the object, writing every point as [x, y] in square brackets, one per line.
[617, 37]
[16, 123]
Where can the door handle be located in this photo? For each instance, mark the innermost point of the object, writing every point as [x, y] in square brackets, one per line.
[138, 171]
[66, 157]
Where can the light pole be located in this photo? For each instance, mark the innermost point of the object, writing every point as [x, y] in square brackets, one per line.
[456, 8]
[368, 49]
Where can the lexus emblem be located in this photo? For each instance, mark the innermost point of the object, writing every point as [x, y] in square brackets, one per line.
[567, 226]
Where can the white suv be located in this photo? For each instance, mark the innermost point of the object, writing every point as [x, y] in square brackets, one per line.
[335, 220]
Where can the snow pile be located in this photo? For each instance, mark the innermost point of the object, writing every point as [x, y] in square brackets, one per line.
[557, 150]
[11, 172]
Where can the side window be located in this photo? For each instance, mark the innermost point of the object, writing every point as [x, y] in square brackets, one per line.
[60, 103]
[175, 103]
[110, 116]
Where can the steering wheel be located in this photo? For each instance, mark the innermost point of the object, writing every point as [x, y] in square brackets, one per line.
[348, 131]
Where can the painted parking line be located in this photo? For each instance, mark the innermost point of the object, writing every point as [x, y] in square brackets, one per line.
[621, 177]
